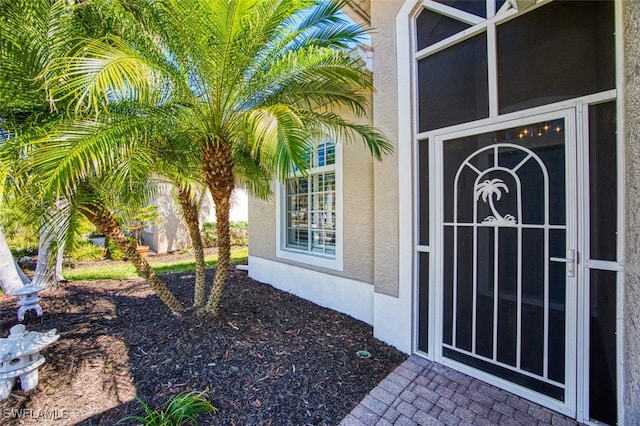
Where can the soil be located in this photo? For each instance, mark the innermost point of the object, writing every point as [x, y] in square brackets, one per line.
[271, 358]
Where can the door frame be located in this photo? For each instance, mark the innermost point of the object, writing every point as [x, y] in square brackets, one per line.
[567, 407]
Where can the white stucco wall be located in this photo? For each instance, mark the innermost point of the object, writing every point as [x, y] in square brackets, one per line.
[170, 233]
[337, 293]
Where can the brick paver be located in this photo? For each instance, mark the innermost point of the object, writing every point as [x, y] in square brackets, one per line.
[420, 392]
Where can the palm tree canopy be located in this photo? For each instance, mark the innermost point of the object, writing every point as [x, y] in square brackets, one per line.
[257, 76]
[242, 87]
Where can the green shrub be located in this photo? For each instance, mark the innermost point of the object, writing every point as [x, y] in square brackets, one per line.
[239, 233]
[113, 252]
[20, 232]
[85, 250]
[179, 409]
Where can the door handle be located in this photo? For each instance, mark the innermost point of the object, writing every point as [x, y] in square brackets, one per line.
[570, 260]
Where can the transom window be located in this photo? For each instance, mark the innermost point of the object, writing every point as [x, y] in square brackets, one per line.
[311, 205]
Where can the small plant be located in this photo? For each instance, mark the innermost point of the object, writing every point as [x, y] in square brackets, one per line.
[139, 219]
[181, 408]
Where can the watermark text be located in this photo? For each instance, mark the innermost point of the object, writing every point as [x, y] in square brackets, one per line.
[29, 413]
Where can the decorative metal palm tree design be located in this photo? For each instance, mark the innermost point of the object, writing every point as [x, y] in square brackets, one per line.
[487, 190]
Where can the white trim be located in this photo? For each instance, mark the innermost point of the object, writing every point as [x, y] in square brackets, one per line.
[434, 234]
[573, 280]
[491, 9]
[604, 265]
[354, 298]
[619, 43]
[438, 219]
[492, 70]
[582, 192]
[415, 206]
[447, 42]
[329, 262]
[452, 12]
[609, 95]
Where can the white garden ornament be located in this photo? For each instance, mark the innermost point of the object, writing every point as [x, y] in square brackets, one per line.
[28, 300]
[20, 358]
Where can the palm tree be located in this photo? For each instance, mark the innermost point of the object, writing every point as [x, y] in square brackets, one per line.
[97, 191]
[26, 45]
[35, 160]
[103, 219]
[251, 83]
[487, 190]
[180, 166]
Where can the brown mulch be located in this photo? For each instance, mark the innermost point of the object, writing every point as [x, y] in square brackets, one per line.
[272, 358]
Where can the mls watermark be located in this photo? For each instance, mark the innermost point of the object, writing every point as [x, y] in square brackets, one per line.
[29, 413]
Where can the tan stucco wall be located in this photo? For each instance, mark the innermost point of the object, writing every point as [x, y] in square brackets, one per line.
[371, 222]
[631, 117]
[357, 172]
[385, 117]
[262, 227]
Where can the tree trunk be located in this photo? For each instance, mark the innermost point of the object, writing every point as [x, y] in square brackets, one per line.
[106, 224]
[25, 279]
[59, 263]
[217, 165]
[49, 264]
[190, 212]
[224, 253]
[10, 280]
[48, 268]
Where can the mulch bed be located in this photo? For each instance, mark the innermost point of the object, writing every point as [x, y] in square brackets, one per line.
[271, 358]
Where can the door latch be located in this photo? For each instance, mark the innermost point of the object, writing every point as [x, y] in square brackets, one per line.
[570, 260]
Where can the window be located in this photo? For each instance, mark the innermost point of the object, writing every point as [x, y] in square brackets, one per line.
[309, 211]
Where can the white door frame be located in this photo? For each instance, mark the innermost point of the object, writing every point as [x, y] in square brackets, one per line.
[567, 407]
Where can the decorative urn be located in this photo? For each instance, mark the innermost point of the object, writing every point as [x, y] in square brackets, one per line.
[20, 357]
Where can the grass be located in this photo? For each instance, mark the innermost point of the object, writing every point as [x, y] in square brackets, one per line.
[125, 270]
[178, 410]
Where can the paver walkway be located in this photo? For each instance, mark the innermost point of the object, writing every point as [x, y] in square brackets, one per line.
[420, 392]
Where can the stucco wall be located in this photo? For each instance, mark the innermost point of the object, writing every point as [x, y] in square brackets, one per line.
[170, 233]
[385, 117]
[357, 169]
[631, 99]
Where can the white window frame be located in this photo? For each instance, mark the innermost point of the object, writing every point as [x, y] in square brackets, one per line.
[303, 256]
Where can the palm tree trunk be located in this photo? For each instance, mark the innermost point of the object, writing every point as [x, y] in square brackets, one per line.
[43, 276]
[217, 164]
[46, 275]
[190, 213]
[224, 253]
[10, 280]
[104, 221]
